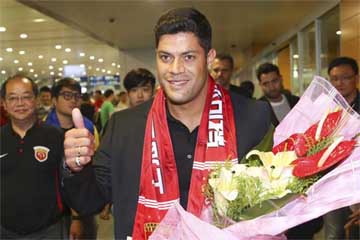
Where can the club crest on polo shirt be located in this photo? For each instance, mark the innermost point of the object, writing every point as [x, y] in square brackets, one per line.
[41, 153]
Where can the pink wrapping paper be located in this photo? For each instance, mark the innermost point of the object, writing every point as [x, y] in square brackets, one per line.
[337, 189]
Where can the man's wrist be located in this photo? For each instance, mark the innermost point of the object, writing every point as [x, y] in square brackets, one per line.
[67, 171]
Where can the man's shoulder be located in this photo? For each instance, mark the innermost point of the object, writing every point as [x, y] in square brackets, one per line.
[106, 104]
[48, 129]
[133, 114]
[291, 98]
[5, 129]
[234, 88]
[263, 98]
[243, 103]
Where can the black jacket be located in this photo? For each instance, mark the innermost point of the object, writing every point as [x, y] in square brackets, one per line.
[291, 99]
[115, 172]
[356, 103]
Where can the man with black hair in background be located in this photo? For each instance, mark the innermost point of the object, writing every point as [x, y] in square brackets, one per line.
[271, 83]
[122, 101]
[66, 96]
[107, 108]
[98, 100]
[45, 103]
[139, 84]
[344, 76]
[86, 107]
[281, 102]
[222, 69]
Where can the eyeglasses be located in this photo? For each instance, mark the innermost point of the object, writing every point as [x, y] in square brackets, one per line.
[341, 78]
[70, 95]
[15, 99]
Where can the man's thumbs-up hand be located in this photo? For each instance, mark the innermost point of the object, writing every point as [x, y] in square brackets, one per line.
[78, 119]
[79, 144]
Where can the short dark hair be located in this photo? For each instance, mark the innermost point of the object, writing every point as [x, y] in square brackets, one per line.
[65, 82]
[85, 97]
[98, 92]
[226, 56]
[185, 20]
[266, 68]
[19, 76]
[121, 93]
[45, 89]
[137, 78]
[344, 61]
[248, 85]
[108, 93]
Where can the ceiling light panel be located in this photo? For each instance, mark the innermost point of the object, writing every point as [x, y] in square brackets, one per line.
[23, 36]
[39, 20]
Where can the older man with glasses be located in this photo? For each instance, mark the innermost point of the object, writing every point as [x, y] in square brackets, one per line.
[66, 95]
[31, 158]
[344, 76]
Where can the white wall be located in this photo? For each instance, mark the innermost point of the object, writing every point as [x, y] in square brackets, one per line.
[137, 58]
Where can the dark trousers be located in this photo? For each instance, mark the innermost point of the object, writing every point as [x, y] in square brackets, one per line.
[59, 230]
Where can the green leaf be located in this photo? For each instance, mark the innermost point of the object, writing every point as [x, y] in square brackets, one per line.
[265, 145]
[301, 185]
[267, 206]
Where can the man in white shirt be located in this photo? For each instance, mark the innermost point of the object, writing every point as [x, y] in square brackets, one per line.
[271, 83]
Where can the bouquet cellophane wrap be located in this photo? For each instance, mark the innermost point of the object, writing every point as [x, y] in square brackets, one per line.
[338, 188]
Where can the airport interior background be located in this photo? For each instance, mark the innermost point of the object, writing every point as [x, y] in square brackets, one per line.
[98, 42]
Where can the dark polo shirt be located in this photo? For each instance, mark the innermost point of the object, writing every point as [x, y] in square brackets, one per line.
[30, 196]
[185, 142]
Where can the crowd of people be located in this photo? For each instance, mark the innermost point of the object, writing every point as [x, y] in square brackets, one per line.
[123, 151]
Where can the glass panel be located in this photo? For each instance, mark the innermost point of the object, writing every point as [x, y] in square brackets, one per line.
[309, 60]
[330, 39]
[294, 61]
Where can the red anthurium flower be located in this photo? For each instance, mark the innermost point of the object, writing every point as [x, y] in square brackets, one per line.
[307, 166]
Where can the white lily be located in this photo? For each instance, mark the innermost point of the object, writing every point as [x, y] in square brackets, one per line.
[221, 203]
[275, 163]
[225, 184]
[238, 169]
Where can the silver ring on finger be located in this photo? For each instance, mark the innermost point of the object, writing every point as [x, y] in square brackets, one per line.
[77, 161]
[79, 151]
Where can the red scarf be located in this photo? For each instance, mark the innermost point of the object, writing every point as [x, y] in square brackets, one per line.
[159, 187]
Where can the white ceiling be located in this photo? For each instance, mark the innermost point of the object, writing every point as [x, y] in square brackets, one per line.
[236, 25]
[234, 22]
[42, 39]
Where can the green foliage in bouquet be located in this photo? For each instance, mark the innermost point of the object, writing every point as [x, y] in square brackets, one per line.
[250, 187]
[301, 185]
[267, 206]
[240, 192]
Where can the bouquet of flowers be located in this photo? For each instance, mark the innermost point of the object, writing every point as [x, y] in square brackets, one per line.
[313, 168]
[246, 191]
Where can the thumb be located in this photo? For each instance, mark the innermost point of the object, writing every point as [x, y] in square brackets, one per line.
[77, 118]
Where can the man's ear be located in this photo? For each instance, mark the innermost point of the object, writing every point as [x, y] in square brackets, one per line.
[281, 78]
[211, 57]
[4, 104]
